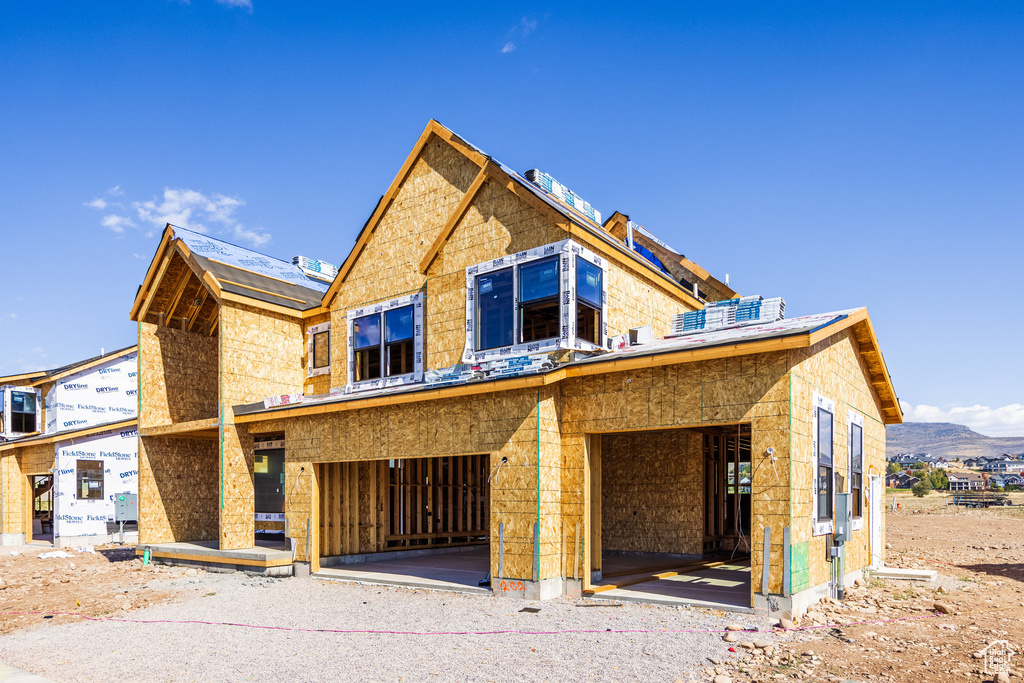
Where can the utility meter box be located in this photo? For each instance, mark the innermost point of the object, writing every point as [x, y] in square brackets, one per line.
[844, 517]
[126, 507]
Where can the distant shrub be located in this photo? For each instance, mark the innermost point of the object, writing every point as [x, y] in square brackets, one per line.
[921, 488]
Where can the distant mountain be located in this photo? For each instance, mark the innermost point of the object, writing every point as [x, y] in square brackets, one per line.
[947, 439]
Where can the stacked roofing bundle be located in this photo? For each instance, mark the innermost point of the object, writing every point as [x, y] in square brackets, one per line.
[314, 268]
[507, 367]
[563, 194]
[746, 310]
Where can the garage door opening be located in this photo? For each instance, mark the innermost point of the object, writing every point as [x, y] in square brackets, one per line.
[415, 521]
[673, 509]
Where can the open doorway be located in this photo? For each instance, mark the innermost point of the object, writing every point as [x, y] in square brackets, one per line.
[413, 521]
[41, 486]
[673, 510]
[269, 489]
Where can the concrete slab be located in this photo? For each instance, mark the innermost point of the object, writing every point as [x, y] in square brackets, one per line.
[726, 587]
[459, 572]
[270, 558]
[905, 574]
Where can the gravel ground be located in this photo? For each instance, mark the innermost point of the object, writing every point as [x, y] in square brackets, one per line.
[118, 651]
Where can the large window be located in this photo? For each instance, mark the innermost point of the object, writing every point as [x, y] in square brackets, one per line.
[386, 343]
[857, 469]
[89, 480]
[23, 412]
[495, 310]
[538, 300]
[535, 301]
[589, 288]
[824, 466]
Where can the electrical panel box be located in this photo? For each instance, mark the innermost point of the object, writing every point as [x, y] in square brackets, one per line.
[844, 517]
[126, 507]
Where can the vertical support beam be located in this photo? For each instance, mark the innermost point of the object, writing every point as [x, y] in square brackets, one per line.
[353, 503]
[372, 478]
[336, 498]
[596, 506]
[765, 555]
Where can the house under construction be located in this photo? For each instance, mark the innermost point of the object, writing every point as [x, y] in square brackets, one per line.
[502, 388]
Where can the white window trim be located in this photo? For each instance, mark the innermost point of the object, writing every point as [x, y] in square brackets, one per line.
[820, 528]
[310, 333]
[6, 400]
[855, 418]
[416, 300]
[567, 250]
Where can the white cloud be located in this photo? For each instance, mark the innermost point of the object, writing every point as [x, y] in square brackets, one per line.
[117, 223]
[241, 4]
[206, 213]
[525, 27]
[1005, 421]
[14, 315]
[253, 236]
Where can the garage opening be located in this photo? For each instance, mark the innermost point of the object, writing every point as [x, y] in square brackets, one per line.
[673, 509]
[413, 521]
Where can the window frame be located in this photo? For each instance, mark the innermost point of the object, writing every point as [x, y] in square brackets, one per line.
[822, 525]
[311, 333]
[856, 420]
[416, 301]
[78, 479]
[7, 409]
[567, 252]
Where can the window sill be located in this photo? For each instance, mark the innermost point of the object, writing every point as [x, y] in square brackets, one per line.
[317, 372]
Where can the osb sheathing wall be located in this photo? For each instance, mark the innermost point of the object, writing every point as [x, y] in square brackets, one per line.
[653, 492]
[178, 376]
[178, 489]
[16, 465]
[834, 369]
[503, 425]
[389, 264]
[752, 389]
[260, 355]
[496, 223]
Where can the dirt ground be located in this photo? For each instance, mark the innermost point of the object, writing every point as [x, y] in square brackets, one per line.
[886, 630]
[979, 555]
[109, 579]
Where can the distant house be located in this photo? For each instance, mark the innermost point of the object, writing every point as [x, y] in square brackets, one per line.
[1004, 480]
[965, 481]
[906, 458]
[1004, 466]
[900, 480]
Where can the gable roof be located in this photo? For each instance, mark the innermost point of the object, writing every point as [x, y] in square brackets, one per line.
[44, 376]
[576, 223]
[231, 273]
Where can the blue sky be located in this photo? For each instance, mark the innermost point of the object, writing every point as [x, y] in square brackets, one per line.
[835, 154]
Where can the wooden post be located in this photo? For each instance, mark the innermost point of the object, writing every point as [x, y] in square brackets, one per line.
[576, 556]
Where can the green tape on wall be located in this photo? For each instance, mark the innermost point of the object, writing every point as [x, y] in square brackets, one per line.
[799, 567]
